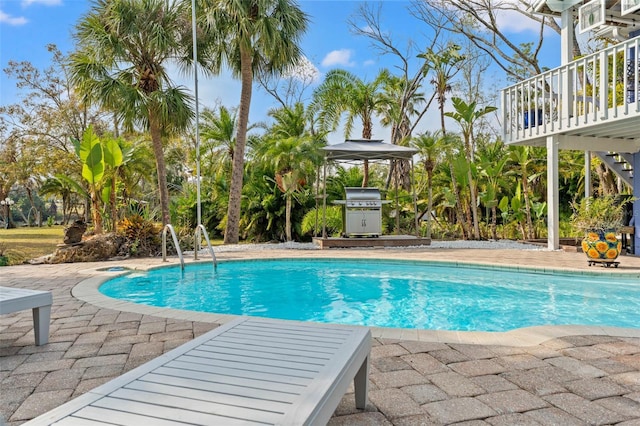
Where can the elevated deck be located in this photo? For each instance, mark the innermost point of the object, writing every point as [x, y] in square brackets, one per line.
[592, 103]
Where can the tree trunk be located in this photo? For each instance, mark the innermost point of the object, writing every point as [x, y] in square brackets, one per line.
[429, 202]
[392, 167]
[472, 191]
[156, 140]
[87, 209]
[95, 212]
[494, 218]
[287, 217]
[607, 180]
[441, 106]
[365, 171]
[231, 233]
[527, 206]
[66, 209]
[458, 209]
[366, 134]
[112, 201]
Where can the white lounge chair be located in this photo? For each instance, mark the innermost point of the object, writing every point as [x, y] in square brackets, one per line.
[248, 371]
[19, 299]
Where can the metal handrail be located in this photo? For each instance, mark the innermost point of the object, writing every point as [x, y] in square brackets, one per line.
[175, 243]
[197, 238]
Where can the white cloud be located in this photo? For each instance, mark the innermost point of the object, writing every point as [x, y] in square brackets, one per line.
[27, 3]
[511, 21]
[12, 20]
[338, 57]
[369, 62]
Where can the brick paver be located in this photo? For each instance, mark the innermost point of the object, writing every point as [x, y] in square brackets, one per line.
[570, 380]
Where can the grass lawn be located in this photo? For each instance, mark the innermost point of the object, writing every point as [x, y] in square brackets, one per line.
[22, 244]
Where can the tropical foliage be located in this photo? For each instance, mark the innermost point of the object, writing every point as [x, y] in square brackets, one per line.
[598, 214]
[119, 148]
[124, 47]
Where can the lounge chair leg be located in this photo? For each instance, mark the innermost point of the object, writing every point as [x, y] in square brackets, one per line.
[41, 319]
[361, 384]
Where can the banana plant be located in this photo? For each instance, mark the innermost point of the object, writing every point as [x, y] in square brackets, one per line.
[512, 210]
[114, 157]
[492, 171]
[95, 155]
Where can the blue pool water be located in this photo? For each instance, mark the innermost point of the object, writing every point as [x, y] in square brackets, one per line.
[387, 294]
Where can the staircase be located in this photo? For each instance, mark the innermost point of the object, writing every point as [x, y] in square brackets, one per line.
[620, 164]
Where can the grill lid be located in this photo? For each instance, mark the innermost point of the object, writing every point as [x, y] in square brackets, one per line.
[355, 193]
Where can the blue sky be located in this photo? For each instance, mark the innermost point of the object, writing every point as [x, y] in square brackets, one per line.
[27, 26]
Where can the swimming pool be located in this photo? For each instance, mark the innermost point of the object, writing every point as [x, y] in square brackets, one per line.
[387, 293]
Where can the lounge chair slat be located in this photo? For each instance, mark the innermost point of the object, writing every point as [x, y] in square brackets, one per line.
[228, 388]
[211, 394]
[217, 374]
[298, 362]
[318, 340]
[302, 328]
[266, 349]
[105, 416]
[287, 343]
[75, 421]
[301, 331]
[185, 401]
[183, 415]
[258, 368]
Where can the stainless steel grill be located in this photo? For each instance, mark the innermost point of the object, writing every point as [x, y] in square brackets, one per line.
[362, 212]
[362, 198]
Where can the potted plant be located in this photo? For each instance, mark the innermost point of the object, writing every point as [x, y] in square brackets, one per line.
[600, 218]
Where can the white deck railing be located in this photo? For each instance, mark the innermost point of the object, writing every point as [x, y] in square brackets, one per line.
[595, 89]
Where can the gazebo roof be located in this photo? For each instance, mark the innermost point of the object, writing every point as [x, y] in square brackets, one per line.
[367, 149]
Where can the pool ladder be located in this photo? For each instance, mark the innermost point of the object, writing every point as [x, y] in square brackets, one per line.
[175, 243]
[200, 230]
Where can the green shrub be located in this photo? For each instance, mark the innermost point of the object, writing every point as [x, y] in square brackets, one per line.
[334, 221]
[142, 236]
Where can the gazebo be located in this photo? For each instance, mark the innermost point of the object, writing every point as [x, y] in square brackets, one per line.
[361, 150]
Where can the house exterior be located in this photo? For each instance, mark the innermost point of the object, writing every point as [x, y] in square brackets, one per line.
[590, 104]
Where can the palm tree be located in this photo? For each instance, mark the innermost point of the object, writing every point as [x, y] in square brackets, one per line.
[123, 49]
[56, 186]
[293, 152]
[466, 115]
[218, 132]
[444, 66]
[398, 105]
[344, 92]
[255, 36]
[429, 146]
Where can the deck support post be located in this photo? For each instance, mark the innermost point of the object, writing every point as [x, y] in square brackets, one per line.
[587, 174]
[553, 194]
[636, 203]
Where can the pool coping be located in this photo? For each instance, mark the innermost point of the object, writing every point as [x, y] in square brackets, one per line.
[87, 291]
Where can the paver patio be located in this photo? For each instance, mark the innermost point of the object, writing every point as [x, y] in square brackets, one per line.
[544, 375]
